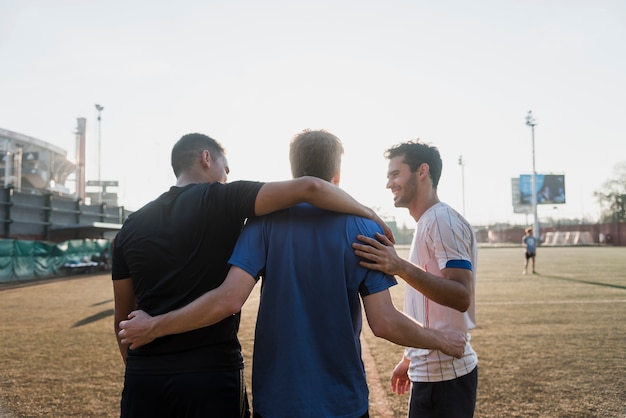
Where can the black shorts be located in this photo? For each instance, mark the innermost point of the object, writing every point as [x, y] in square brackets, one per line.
[205, 394]
[529, 255]
[448, 399]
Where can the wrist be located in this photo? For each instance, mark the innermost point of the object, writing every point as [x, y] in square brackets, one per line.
[157, 326]
[371, 214]
[406, 270]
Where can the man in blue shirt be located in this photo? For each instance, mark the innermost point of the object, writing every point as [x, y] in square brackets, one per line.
[307, 351]
[172, 251]
[529, 242]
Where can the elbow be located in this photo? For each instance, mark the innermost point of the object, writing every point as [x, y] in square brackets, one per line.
[312, 185]
[464, 304]
[226, 302]
[230, 308]
[381, 329]
[218, 312]
[462, 308]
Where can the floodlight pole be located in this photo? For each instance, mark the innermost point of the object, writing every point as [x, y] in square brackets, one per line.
[462, 164]
[99, 109]
[530, 121]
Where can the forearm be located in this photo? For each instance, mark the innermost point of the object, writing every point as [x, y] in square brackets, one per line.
[335, 199]
[389, 323]
[400, 329]
[317, 192]
[330, 197]
[207, 310]
[441, 290]
[275, 196]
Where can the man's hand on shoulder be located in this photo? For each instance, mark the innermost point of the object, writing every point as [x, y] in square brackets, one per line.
[379, 253]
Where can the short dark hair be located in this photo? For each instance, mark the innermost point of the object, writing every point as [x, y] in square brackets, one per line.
[186, 150]
[315, 153]
[416, 153]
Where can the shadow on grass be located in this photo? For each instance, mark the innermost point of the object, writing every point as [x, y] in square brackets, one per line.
[104, 302]
[569, 279]
[93, 318]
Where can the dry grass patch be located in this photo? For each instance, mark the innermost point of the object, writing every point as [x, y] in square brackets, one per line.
[550, 345]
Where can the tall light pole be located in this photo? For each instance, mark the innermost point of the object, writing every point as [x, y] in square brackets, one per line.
[99, 109]
[530, 121]
[462, 164]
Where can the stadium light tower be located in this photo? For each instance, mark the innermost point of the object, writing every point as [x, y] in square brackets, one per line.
[462, 164]
[99, 109]
[530, 121]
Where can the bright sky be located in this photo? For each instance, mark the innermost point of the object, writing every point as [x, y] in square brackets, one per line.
[461, 75]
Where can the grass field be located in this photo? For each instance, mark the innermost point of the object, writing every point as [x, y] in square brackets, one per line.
[549, 345]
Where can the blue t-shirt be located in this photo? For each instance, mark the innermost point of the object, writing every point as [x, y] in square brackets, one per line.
[307, 351]
[531, 244]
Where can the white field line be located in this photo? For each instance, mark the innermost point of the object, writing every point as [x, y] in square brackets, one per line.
[551, 302]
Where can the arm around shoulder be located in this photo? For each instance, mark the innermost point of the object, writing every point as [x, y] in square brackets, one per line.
[389, 323]
[275, 196]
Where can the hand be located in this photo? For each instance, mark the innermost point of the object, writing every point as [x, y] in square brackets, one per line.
[400, 382]
[454, 343]
[136, 331]
[380, 253]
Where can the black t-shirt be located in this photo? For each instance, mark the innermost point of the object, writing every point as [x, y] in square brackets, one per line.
[175, 249]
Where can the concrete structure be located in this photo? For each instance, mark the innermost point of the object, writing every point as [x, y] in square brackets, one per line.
[36, 203]
[31, 165]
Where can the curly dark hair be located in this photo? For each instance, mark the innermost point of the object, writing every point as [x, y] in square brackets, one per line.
[415, 154]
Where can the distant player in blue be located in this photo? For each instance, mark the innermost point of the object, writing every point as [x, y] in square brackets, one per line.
[530, 247]
[307, 349]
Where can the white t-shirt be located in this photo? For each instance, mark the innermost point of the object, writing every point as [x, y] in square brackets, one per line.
[443, 238]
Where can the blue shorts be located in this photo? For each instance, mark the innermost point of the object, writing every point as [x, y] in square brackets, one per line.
[367, 415]
[448, 399]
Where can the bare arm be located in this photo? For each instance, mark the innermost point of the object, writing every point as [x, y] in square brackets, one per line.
[275, 196]
[208, 309]
[456, 292]
[124, 297]
[389, 323]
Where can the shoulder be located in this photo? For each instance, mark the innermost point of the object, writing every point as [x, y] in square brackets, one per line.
[362, 226]
[235, 191]
[443, 216]
[242, 184]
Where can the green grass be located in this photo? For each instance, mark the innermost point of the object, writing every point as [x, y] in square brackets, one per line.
[549, 345]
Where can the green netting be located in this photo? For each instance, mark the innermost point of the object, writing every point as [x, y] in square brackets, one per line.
[23, 260]
[6, 259]
[43, 263]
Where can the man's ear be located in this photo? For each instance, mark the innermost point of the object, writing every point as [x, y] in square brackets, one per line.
[206, 159]
[424, 168]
